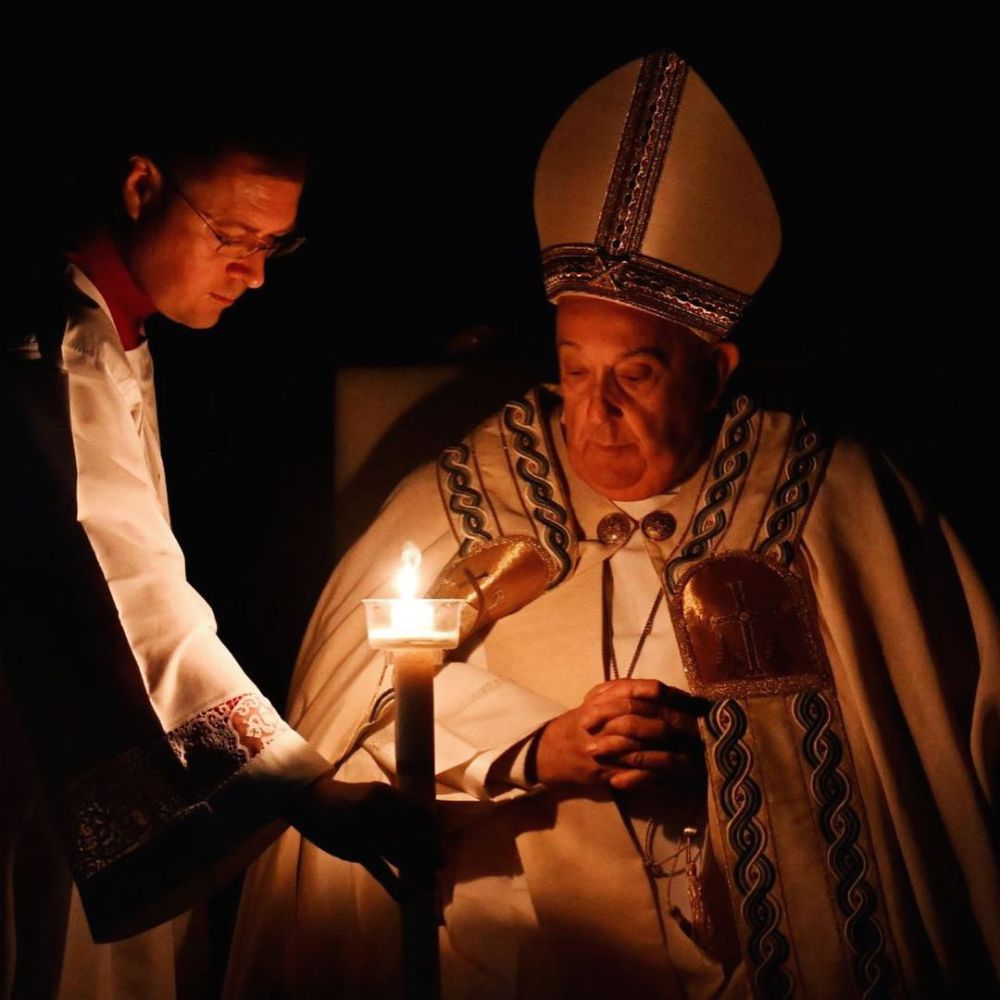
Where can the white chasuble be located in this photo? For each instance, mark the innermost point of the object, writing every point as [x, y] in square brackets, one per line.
[849, 658]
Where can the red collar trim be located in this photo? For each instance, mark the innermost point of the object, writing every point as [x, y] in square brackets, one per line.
[98, 257]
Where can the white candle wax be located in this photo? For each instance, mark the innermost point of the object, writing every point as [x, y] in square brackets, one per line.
[413, 679]
[390, 638]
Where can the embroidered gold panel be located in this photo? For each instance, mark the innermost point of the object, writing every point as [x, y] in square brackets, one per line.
[788, 817]
[495, 579]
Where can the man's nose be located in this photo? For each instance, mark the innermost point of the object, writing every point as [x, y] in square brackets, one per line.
[603, 399]
[250, 269]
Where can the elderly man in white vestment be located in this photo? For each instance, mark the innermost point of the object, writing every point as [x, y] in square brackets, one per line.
[724, 718]
[137, 754]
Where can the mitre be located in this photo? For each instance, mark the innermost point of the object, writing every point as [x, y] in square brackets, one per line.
[647, 194]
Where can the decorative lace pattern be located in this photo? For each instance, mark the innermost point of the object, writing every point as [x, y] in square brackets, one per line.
[729, 465]
[786, 514]
[120, 806]
[843, 829]
[537, 482]
[746, 829]
[462, 498]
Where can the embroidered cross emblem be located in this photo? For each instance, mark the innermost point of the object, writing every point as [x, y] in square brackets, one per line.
[609, 267]
[744, 619]
[487, 602]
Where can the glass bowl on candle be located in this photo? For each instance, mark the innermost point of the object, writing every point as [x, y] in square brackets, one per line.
[398, 622]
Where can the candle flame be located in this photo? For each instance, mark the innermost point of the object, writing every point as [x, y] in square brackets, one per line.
[407, 578]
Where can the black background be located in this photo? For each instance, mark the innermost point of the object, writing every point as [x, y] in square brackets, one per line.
[421, 242]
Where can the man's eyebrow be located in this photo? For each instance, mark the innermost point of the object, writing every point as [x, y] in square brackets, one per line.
[655, 352]
[252, 230]
[646, 349]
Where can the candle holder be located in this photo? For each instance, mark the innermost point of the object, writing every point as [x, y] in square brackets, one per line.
[414, 633]
[408, 622]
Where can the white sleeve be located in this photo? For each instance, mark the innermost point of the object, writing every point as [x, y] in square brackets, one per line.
[226, 763]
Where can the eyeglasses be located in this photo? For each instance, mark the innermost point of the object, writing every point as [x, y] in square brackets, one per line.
[239, 249]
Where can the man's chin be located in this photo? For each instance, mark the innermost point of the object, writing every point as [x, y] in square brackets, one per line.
[204, 324]
[612, 483]
[201, 319]
[635, 480]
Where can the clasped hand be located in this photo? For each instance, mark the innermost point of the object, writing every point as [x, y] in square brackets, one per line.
[627, 733]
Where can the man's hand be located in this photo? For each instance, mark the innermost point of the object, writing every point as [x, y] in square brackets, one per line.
[626, 733]
[372, 823]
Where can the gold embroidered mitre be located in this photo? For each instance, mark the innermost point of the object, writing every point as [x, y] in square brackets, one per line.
[647, 194]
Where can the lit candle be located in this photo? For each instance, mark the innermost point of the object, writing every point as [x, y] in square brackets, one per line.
[409, 621]
[415, 632]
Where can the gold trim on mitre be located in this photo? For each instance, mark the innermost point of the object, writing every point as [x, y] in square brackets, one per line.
[647, 194]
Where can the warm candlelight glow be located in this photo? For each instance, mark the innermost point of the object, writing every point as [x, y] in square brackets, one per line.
[409, 620]
[410, 616]
[407, 578]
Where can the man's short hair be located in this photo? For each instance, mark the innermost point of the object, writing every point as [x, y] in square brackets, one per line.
[190, 144]
[183, 141]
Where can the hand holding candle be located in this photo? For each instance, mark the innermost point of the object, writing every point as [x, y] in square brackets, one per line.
[370, 823]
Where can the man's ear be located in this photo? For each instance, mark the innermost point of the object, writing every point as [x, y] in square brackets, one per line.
[724, 359]
[142, 188]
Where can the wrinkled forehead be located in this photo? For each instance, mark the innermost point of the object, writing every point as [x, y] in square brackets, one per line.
[588, 323]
